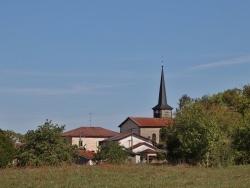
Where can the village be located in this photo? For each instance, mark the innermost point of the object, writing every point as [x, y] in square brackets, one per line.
[138, 134]
[124, 94]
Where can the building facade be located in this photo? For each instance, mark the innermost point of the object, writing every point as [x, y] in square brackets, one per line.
[88, 138]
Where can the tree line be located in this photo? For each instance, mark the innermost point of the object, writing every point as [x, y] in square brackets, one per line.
[213, 130]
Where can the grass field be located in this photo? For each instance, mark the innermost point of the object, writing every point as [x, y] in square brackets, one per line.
[126, 176]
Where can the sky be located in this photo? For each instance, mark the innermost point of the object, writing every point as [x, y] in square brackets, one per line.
[95, 63]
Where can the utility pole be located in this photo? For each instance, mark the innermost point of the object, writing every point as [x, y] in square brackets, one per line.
[132, 139]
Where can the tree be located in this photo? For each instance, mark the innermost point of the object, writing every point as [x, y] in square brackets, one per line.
[203, 133]
[7, 149]
[184, 101]
[168, 135]
[112, 152]
[203, 136]
[44, 146]
[214, 130]
[241, 143]
[16, 137]
[191, 133]
[246, 91]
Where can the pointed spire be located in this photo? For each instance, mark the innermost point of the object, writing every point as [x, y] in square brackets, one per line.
[162, 101]
[162, 109]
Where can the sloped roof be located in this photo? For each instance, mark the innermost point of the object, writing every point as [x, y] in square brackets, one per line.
[149, 122]
[86, 154]
[145, 144]
[149, 151]
[121, 136]
[90, 132]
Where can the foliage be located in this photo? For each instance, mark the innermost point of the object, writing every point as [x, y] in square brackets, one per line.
[184, 101]
[44, 146]
[168, 135]
[112, 152]
[213, 130]
[16, 137]
[7, 149]
[242, 144]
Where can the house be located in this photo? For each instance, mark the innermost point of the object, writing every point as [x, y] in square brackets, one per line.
[128, 140]
[88, 138]
[138, 145]
[147, 126]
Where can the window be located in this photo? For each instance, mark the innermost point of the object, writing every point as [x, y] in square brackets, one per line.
[154, 137]
[80, 143]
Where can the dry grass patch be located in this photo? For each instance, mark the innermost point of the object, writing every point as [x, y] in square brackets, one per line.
[126, 176]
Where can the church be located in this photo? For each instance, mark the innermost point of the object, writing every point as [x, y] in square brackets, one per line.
[149, 127]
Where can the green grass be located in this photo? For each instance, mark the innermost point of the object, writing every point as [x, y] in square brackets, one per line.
[126, 176]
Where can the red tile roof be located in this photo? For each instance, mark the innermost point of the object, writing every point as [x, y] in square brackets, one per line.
[150, 122]
[87, 154]
[90, 132]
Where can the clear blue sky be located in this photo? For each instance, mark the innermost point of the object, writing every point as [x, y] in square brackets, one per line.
[61, 60]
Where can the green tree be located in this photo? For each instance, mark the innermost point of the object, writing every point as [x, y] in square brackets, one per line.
[112, 152]
[184, 101]
[203, 133]
[246, 91]
[16, 137]
[192, 136]
[241, 144]
[168, 135]
[7, 149]
[214, 130]
[44, 146]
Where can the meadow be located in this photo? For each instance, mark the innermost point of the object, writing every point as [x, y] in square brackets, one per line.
[142, 175]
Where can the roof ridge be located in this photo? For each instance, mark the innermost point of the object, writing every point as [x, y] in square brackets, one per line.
[90, 131]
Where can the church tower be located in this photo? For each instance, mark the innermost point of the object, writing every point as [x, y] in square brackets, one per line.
[162, 109]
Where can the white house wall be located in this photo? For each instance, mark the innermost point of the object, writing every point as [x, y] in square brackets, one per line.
[92, 143]
[126, 142]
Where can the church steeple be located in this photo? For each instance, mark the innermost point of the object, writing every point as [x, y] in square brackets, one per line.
[162, 109]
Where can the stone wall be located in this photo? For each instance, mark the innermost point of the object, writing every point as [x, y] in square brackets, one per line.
[148, 132]
[129, 125]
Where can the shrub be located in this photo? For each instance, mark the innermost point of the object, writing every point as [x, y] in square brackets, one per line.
[7, 149]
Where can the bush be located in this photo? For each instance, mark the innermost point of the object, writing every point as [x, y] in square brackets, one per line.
[44, 146]
[112, 152]
[7, 149]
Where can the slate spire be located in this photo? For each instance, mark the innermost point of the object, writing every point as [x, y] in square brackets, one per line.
[162, 109]
[162, 101]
